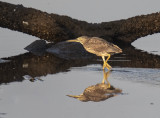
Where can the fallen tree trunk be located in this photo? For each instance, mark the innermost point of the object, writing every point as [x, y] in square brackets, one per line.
[56, 28]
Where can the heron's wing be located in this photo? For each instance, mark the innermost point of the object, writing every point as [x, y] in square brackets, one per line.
[100, 46]
[96, 93]
[93, 91]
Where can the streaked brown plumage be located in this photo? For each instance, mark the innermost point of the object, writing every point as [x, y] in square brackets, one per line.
[98, 46]
[98, 92]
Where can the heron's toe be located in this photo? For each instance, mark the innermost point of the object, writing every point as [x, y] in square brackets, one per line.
[108, 66]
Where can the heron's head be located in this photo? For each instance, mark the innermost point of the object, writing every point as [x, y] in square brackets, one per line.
[81, 39]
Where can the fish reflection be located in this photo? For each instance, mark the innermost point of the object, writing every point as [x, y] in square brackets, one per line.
[98, 92]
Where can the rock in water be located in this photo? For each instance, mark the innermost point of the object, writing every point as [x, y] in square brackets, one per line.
[38, 47]
[69, 50]
[65, 50]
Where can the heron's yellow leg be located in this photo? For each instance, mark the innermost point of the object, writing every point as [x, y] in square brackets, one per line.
[108, 57]
[108, 66]
[105, 77]
[108, 84]
[105, 64]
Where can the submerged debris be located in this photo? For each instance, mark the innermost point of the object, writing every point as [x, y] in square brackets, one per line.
[32, 79]
[25, 23]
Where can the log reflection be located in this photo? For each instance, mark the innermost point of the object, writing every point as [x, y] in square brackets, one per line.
[36, 66]
[98, 92]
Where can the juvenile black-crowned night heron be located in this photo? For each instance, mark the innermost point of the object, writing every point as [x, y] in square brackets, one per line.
[98, 46]
[98, 92]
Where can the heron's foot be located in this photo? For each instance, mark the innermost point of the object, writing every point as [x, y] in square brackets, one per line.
[109, 85]
[106, 65]
[103, 82]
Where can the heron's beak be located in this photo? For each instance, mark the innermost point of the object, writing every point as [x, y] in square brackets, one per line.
[74, 96]
[74, 40]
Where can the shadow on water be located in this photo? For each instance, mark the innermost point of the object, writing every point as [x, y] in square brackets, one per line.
[98, 92]
[28, 64]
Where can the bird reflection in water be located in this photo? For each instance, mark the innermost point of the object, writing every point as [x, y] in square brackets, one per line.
[98, 92]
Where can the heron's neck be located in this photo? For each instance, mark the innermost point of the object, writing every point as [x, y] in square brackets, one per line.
[85, 42]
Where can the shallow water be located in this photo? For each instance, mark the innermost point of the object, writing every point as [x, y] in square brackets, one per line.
[48, 98]
[13, 42]
[33, 86]
[149, 43]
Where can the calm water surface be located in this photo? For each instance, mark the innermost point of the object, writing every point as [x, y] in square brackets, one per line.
[46, 96]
